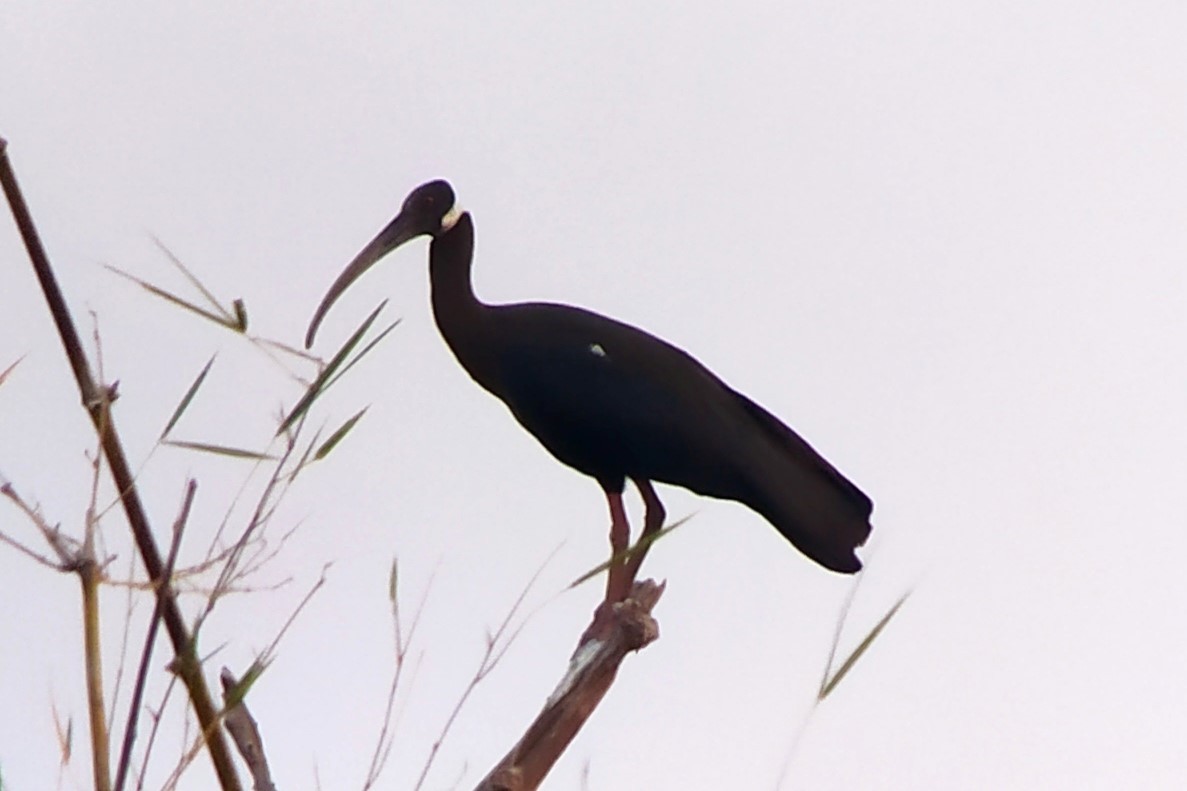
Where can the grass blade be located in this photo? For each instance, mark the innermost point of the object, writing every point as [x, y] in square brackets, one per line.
[338, 435]
[235, 692]
[223, 321]
[301, 462]
[187, 398]
[221, 450]
[228, 320]
[364, 350]
[327, 373]
[862, 647]
[621, 557]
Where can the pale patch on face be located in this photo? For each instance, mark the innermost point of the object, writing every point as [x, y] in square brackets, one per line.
[451, 217]
[597, 350]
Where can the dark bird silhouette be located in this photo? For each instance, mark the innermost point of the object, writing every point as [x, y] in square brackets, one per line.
[615, 402]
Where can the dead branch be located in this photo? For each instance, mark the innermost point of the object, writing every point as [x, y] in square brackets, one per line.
[245, 733]
[592, 670]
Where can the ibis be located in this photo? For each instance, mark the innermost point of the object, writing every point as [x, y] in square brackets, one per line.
[615, 402]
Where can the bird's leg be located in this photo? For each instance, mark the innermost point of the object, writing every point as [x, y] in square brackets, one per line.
[653, 520]
[617, 585]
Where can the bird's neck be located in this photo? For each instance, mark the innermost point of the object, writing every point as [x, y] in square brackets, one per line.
[460, 315]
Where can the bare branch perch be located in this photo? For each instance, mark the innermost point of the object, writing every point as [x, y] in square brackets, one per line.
[244, 731]
[591, 672]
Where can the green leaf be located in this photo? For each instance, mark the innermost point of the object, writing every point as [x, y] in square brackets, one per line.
[327, 373]
[827, 688]
[221, 450]
[365, 349]
[234, 694]
[187, 398]
[337, 436]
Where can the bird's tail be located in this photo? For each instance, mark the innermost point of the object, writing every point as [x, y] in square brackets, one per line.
[808, 501]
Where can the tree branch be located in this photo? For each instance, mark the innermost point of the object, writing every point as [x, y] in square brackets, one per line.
[592, 670]
[244, 731]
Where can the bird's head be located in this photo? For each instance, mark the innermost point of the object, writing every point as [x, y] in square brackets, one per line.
[431, 209]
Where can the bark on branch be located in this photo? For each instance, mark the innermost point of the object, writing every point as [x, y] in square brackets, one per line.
[622, 627]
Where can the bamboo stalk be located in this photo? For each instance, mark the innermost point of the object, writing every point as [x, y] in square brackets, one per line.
[97, 404]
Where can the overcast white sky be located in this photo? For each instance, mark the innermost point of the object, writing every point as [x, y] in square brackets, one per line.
[945, 241]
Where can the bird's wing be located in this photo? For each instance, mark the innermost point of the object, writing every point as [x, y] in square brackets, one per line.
[599, 392]
[613, 401]
[796, 445]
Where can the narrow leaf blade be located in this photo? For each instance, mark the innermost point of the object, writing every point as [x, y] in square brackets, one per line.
[195, 282]
[338, 435]
[383, 334]
[187, 398]
[176, 300]
[221, 450]
[236, 693]
[327, 373]
[861, 648]
[621, 557]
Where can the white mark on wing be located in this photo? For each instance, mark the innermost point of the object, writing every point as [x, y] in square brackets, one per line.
[597, 350]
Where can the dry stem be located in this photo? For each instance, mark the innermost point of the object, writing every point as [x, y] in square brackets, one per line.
[97, 402]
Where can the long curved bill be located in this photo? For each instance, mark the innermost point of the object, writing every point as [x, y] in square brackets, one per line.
[397, 232]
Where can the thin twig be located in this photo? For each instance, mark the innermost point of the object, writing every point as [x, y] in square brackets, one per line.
[236, 694]
[65, 738]
[231, 568]
[31, 553]
[269, 652]
[156, 727]
[63, 546]
[151, 637]
[130, 600]
[496, 648]
[383, 744]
